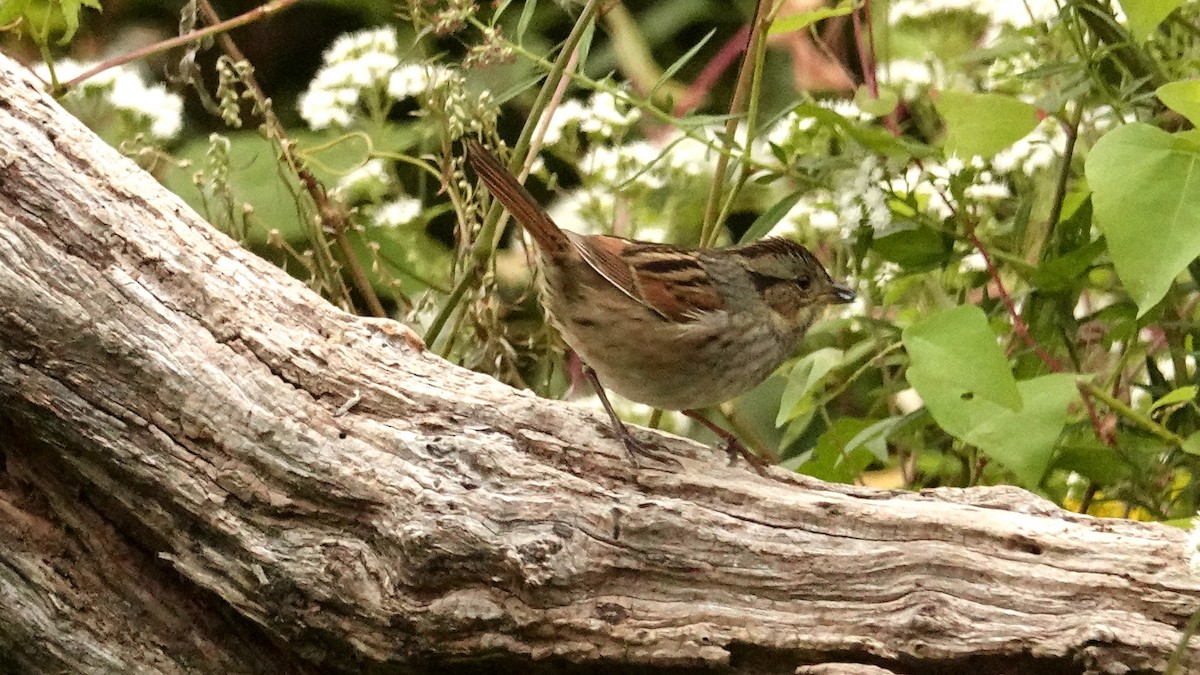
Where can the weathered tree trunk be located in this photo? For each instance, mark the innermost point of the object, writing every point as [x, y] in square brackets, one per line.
[179, 493]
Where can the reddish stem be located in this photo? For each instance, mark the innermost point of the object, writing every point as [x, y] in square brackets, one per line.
[1019, 325]
[713, 71]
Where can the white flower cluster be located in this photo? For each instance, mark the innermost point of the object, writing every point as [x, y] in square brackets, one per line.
[125, 89]
[586, 210]
[863, 200]
[1034, 152]
[815, 212]
[912, 79]
[998, 12]
[620, 165]
[359, 70]
[355, 63]
[603, 116]
[413, 79]
[369, 182]
[397, 213]
[788, 130]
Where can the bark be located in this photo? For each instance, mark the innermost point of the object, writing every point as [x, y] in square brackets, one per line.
[181, 492]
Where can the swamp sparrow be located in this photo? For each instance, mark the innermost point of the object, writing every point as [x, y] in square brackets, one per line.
[674, 328]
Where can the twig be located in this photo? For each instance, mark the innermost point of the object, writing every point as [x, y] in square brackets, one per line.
[331, 216]
[1060, 186]
[180, 40]
[1019, 325]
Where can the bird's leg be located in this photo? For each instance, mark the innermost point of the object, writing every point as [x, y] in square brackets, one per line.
[732, 445]
[632, 446]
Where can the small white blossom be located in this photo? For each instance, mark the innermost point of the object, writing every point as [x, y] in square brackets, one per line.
[1036, 151]
[323, 109]
[609, 115]
[1007, 12]
[887, 273]
[1091, 302]
[908, 401]
[367, 182]
[690, 156]
[586, 211]
[416, 79]
[351, 45]
[125, 89]
[915, 74]
[637, 163]
[565, 116]
[360, 68]
[864, 201]
[846, 108]
[397, 213]
[973, 262]
[824, 220]
[605, 115]
[789, 130]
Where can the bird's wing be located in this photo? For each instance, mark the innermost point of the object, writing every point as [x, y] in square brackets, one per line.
[669, 281]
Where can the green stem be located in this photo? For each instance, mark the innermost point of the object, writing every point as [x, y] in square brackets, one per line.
[484, 243]
[1064, 173]
[646, 106]
[1118, 406]
[745, 82]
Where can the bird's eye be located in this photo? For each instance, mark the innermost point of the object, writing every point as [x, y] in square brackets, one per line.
[804, 283]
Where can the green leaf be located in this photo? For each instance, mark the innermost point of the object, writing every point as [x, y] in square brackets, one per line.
[878, 106]
[1093, 460]
[1021, 441]
[802, 20]
[874, 438]
[771, 217]
[955, 355]
[71, 10]
[526, 16]
[1192, 445]
[679, 63]
[803, 381]
[831, 460]
[983, 124]
[876, 139]
[1061, 273]
[915, 249]
[1183, 97]
[1145, 15]
[11, 9]
[1146, 199]
[1180, 395]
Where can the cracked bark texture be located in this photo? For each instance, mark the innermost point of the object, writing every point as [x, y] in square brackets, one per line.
[178, 493]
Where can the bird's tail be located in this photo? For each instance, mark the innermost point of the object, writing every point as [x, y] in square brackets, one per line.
[504, 186]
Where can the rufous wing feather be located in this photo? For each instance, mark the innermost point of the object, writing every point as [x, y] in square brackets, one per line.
[668, 280]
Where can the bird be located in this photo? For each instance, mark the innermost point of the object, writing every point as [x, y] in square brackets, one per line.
[672, 327]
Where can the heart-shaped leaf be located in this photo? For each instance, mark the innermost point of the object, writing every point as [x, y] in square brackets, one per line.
[983, 124]
[1022, 441]
[1183, 97]
[1145, 15]
[1146, 199]
[954, 354]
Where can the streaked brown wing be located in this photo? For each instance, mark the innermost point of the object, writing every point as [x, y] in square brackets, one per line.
[665, 279]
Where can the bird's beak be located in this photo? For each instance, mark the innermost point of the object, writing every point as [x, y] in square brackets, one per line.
[841, 293]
